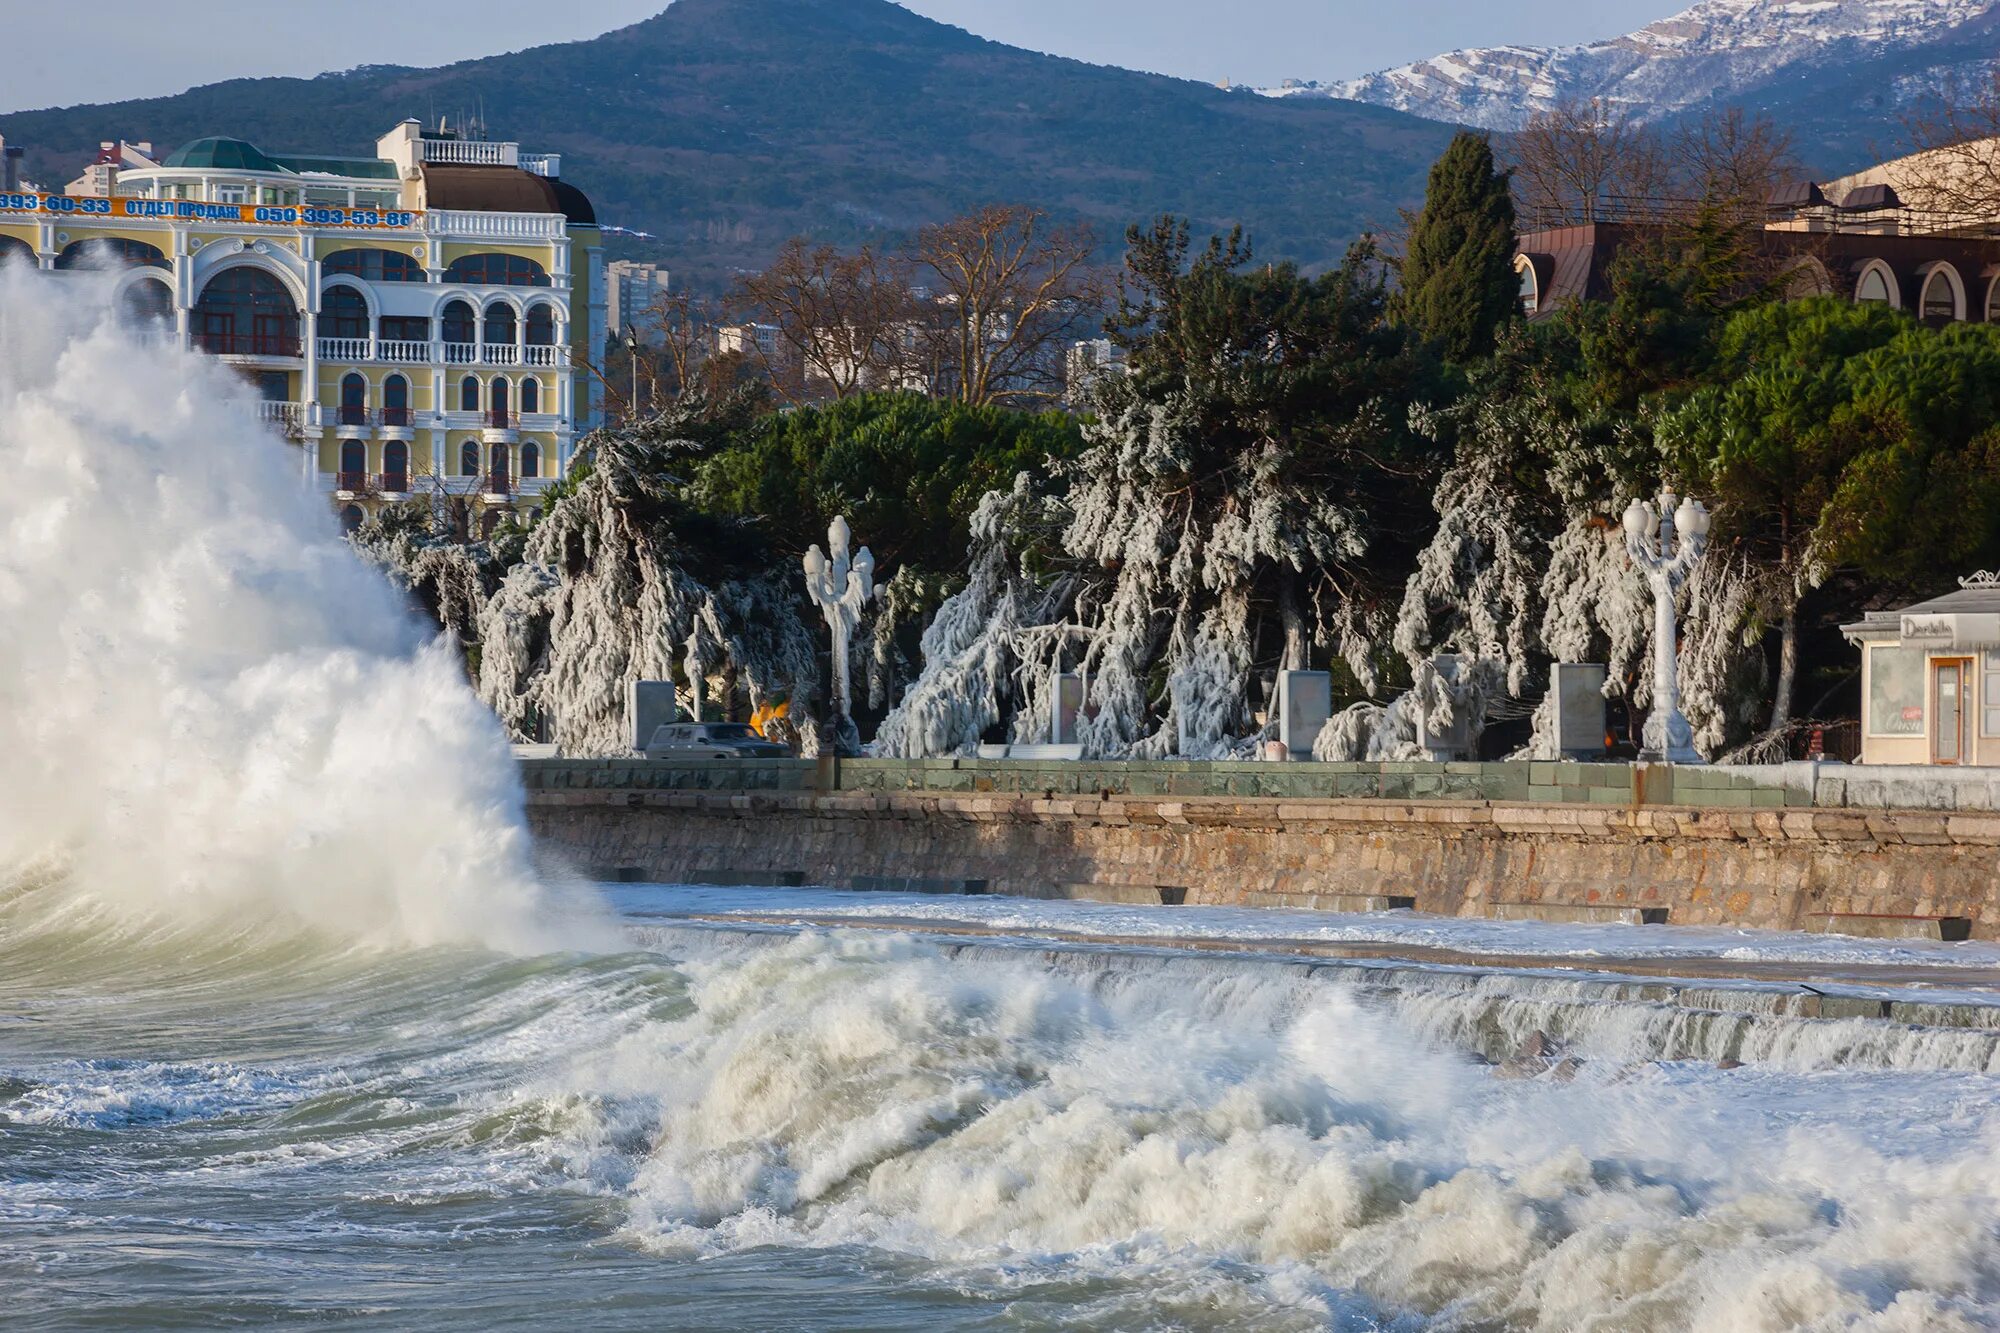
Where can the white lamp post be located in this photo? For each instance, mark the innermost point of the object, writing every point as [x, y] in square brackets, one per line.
[840, 587]
[1650, 540]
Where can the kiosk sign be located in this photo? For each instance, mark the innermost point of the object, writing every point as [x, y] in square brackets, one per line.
[196, 210]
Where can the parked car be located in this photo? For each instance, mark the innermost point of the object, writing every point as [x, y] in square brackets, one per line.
[712, 740]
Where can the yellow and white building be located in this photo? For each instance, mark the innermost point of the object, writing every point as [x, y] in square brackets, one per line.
[420, 322]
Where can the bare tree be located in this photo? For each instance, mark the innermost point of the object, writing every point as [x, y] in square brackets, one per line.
[1956, 137]
[841, 318]
[1583, 162]
[684, 326]
[1732, 159]
[1009, 289]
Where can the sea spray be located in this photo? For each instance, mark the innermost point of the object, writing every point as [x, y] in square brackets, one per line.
[212, 710]
[1021, 1128]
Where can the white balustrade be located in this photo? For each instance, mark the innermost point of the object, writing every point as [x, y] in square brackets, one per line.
[547, 354]
[461, 354]
[496, 226]
[471, 152]
[343, 349]
[542, 164]
[390, 349]
[500, 354]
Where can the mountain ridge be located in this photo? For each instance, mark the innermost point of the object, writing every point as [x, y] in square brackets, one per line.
[725, 126]
[1775, 55]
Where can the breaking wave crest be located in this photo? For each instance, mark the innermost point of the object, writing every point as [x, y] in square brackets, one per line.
[1032, 1127]
[213, 711]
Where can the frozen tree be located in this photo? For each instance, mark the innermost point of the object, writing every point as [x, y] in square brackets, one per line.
[977, 647]
[604, 596]
[1476, 587]
[1442, 698]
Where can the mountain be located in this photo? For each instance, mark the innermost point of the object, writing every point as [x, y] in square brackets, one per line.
[1836, 71]
[726, 126]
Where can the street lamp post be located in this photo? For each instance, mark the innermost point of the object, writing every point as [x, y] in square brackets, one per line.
[632, 354]
[1650, 539]
[840, 587]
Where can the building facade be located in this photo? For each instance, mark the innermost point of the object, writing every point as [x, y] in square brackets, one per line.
[631, 288]
[1930, 679]
[1859, 238]
[420, 322]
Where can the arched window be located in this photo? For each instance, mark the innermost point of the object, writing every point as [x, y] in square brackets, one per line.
[244, 311]
[531, 459]
[375, 265]
[353, 465]
[16, 251]
[343, 313]
[468, 459]
[500, 324]
[497, 399]
[145, 304]
[468, 394]
[531, 395]
[1940, 297]
[498, 459]
[110, 252]
[395, 401]
[1531, 296]
[458, 322]
[541, 324]
[353, 401]
[1873, 288]
[350, 519]
[497, 271]
[395, 466]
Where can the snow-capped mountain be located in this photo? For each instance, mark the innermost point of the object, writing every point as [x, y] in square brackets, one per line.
[1719, 50]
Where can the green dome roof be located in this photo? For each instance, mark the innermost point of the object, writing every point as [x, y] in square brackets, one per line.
[223, 155]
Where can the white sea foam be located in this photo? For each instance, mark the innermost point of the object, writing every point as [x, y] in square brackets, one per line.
[1024, 1125]
[213, 711]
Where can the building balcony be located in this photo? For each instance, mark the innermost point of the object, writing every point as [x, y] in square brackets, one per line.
[269, 346]
[458, 224]
[290, 418]
[351, 485]
[496, 488]
[398, 423]
[393, 485]
[499, 426]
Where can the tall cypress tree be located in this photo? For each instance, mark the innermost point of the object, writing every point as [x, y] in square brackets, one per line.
[1459, 284]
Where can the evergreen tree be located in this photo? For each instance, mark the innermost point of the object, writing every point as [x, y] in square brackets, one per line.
[1459, 284]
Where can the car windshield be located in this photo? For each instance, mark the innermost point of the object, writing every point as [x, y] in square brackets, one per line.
[732, 731]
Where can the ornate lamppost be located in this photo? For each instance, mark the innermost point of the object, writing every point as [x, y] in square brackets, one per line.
[840, 587]
[1667, 542]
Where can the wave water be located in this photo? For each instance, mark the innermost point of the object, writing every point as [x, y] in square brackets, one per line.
[290, 1029]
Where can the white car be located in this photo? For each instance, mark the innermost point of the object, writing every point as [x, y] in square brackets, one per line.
[712, 740]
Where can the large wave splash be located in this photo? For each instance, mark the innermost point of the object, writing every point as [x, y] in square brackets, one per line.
[211, 712]
[1242, 1136]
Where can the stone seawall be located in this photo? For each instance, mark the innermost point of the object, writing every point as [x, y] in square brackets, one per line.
[1782, 868]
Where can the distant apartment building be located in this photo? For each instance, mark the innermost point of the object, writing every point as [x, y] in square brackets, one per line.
[100, 179]
[10, 166]
[419, 321]
[1087, 364]
[630, 290]
[756, 342]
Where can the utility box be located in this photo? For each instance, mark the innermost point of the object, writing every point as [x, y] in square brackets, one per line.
[649, 705]
[1305, 702]
[1065, 706]
[1578, 691]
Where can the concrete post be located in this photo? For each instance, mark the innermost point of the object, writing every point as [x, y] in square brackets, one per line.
[649, 705]
[1305, 702]
[1065, 704]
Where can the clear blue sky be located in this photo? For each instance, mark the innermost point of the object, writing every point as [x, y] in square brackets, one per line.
[108, 50]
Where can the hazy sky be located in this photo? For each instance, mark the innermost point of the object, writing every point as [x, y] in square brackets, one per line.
[61, 54]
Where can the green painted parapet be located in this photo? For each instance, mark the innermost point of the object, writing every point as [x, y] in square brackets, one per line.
[1553, 783]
